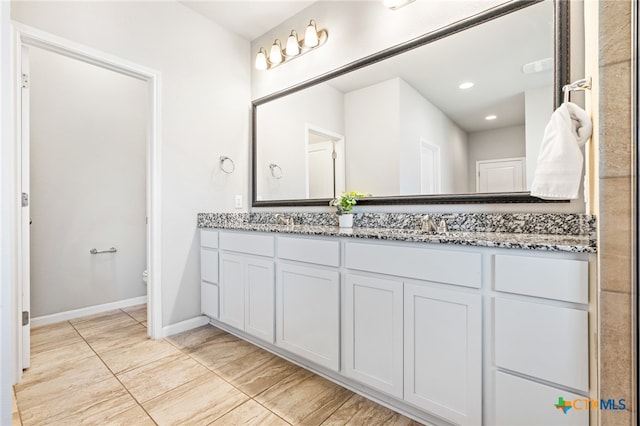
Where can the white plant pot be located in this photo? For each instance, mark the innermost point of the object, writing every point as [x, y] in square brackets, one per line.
[345, 220]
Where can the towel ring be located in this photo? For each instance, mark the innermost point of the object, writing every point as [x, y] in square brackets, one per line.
[228, 169]
[276, 171]
[583, 84]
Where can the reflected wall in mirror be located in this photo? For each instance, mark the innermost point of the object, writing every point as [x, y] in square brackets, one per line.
[462, 114]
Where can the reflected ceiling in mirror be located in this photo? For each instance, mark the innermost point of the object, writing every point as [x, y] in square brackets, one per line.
[459, 117]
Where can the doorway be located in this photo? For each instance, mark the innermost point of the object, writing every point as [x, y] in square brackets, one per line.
[325, 163]
[148, 187]
[502, 175]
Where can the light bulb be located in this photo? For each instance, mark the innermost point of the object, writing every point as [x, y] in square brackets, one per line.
[275, 54]
[261, 60]
[293, 45]
[311, 35]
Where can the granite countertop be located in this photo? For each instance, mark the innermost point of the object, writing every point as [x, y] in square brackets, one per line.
[514, 240]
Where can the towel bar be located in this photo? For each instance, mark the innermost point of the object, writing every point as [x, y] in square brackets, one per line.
[583, 84]
[109, 250]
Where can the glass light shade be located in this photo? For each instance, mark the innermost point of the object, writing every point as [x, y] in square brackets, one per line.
[275, 54]
[293, 46]
[311, 35]
[261, 60]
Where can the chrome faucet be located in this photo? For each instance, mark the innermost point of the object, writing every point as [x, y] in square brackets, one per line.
[284, 219]
[442, 225]
[427, 224]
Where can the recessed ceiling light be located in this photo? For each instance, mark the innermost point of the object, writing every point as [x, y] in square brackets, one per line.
[466, 85]
[491, 117]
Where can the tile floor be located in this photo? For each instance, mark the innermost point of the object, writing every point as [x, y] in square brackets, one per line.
[103, 370]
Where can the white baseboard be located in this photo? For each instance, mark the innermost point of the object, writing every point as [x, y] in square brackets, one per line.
[89, 310]
[185, 325]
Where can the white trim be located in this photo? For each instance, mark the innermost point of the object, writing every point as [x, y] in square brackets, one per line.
[185, 325]
[339, 180]
[33, 37]
[89, 310]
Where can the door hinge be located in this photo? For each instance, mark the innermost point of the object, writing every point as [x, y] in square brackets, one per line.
[25, 199]
[25, 81]
[334, 155]
[25, 318]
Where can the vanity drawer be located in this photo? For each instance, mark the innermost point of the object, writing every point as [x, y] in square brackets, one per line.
[446, 266]
[209, 299]
[559, 279]
[249, 243]
[208, 238]
[321, 252]
[547, 342]
[526, 403]
[209, 265]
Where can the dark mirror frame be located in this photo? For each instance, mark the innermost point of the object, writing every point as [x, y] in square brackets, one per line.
[561, 77]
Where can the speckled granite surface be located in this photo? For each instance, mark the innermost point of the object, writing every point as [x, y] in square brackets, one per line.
[531, 231]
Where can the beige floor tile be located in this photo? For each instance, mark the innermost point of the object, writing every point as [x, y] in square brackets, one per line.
[52, 363]
[15, 413]
[85, 405]
[134, 416]
[144, 323]
[198, 402]
[193, 339]
[250, 414]
[137, 354]
[158, 377]
[256, 371]
[361, 411]
[53, 336]
[222, 350]
[119, 338]
[102, 323]
[138, 312]
[66, 379]
[304, 398]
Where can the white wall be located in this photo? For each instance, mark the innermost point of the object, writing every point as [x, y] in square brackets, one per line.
[87, 189]
[282, 141]
[420, 119]
[205, 114]
[356, 29]
[6, 305]
[371, 138]
[508, 142]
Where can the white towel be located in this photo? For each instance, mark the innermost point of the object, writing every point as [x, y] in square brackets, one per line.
[559, 169]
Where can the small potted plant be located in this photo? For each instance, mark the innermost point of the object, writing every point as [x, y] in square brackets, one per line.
[344, 204]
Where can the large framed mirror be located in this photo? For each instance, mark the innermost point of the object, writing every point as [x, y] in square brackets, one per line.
[455, 116]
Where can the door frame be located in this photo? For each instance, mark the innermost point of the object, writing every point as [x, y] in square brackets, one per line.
[29, 36]
[339, 180]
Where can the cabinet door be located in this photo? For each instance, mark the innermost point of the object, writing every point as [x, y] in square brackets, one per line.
[373, 332]
[259, 316]
[308, 313]
[443, 352]
[232, 290]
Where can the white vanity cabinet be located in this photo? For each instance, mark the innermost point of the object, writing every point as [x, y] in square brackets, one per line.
[247, 287]
[209, 272]
[541, 346]
[308, 313]
[443, 352]
[444, 333]
[373, 332]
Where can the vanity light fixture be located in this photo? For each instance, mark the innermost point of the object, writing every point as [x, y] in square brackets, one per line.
[261, 60]
[396, 4]
[491, 117]
[466, 85]
[293, 45]
[313, 38]
[275, 54]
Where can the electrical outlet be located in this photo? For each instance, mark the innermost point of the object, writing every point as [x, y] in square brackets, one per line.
[238, 201]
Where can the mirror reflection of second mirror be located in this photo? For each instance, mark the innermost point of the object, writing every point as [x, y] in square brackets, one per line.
[463, 114]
